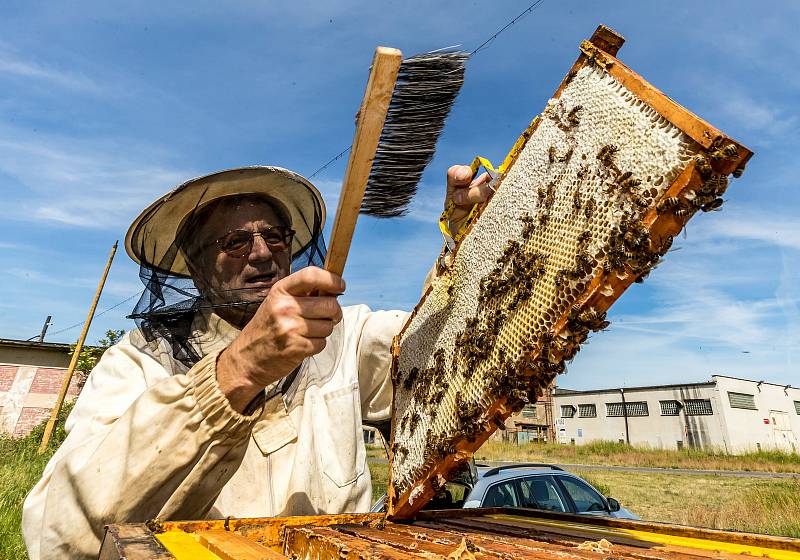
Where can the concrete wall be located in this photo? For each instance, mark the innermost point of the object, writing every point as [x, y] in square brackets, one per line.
[774, 424]
[654, 430]
[43, 356]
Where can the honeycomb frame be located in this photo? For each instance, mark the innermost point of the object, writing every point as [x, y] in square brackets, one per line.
[697, 160]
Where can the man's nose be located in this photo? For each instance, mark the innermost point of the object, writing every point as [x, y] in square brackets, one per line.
[260, 250]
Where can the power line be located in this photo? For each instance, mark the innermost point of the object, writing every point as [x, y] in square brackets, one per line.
[78, 324]
[334, 158]
[529, 10]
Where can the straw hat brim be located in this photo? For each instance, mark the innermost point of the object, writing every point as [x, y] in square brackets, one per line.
[152, 235]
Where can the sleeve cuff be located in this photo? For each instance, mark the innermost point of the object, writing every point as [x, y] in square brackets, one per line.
[213, 403]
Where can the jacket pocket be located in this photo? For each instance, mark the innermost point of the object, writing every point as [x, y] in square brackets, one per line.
[337, 423]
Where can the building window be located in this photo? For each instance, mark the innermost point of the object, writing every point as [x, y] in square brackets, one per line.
[797, 407]
[636, 408]
[529, 411]
[698, 407]
[670, 408]
[613, 409]
[742, 400]
[587, 411]
[567, 411]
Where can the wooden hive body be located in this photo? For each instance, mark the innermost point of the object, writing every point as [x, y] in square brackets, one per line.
[589, 201]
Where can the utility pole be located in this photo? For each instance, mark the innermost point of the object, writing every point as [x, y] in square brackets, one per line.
[51, 422]
[44, 328]
[625, 415]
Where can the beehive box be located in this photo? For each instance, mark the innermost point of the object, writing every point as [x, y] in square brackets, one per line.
[496, 533]
[587, 202]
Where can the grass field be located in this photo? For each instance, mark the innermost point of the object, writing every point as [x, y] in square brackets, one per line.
[20, 468]
[619, 454]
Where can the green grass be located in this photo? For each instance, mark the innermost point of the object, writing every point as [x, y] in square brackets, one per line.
[754, 505]
[620, 454]
[21, 467]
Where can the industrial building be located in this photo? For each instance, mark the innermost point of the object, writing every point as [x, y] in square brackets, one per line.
[726, 413]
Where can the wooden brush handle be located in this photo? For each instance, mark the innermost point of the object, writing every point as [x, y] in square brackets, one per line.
[369, 125]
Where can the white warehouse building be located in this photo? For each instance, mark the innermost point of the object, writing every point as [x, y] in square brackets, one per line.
[726, 413]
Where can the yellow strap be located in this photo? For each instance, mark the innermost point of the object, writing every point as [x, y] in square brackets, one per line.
[444, 219]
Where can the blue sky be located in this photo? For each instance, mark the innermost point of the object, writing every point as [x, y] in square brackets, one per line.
[106, 105]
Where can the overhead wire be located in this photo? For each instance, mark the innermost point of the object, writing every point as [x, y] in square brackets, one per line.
[103, 312]
[529, 10]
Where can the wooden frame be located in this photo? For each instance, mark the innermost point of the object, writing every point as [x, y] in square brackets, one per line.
[509, 532]
[605, 288]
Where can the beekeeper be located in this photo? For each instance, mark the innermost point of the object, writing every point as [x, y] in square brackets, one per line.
[243, 390]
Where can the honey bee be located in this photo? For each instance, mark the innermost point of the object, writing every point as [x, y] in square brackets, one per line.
[668, 203]
[606, 154]
[566, 157]
[718, 183]
[726, 152]
[582, 171]
[543, 217]
[628, 183]
[559, 278]
[541, 193]
[738, 172]
[576, 200]
[584, 237]
[639, 200]
[713, 205]
[570, 76]
[551, 154]
[593, 320]
[702, 165]
[572, 116]
[550, 198]
[680, 212]
[589, 208]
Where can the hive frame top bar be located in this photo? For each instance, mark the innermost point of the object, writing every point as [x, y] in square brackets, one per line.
[604, 289]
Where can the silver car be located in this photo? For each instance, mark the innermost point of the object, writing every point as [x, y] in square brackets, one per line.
[526, 485]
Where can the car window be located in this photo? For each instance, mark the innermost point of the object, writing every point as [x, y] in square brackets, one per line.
[450, 497]
[540, 492]
[585, 498]
[501, 495]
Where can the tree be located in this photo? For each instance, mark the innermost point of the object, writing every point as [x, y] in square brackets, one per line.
[90, 355]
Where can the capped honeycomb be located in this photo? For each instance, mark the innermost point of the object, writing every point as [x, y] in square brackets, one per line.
[589, 205]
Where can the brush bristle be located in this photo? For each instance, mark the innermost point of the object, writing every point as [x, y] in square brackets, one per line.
[427, 86]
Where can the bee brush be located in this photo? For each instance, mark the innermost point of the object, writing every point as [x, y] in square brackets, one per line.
[401, 116]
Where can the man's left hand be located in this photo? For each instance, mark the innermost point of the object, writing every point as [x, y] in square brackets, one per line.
[465, 193]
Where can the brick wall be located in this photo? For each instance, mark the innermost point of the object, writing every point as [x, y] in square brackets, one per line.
[29, 419]
[48, 381]
[7, 375]
[27, 394]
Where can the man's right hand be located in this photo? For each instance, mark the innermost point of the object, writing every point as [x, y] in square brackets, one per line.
[290, 325]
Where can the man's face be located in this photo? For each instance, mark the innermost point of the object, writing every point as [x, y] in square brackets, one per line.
[225, 278]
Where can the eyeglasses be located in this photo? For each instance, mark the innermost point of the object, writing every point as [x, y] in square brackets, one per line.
[238, 243]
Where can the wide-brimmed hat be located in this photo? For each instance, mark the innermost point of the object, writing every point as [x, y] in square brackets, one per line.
[150, 240]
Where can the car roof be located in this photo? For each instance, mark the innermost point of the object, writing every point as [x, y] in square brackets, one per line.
[515, 469]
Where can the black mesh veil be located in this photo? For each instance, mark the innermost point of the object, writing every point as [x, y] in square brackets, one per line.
[170, 240]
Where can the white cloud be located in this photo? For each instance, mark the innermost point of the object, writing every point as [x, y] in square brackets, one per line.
[14, 65]
[82, 183]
